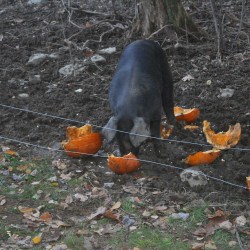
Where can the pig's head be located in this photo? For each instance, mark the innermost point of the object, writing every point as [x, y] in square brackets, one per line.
[137, 131]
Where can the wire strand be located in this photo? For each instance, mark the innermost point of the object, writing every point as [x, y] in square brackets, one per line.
[141, 160]
[97, 126]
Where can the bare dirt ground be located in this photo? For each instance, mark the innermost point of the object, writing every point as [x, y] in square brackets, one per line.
[52, 28]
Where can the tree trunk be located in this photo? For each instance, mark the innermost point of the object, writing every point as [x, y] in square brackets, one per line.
[152, 15]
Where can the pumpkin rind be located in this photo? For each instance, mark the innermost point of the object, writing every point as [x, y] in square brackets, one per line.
[122, 165]
[87, 144]
[187, 115]
[202, 158]
[222, 140]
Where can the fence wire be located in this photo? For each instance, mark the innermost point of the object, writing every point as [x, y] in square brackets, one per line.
[141, 160]
[101, 127]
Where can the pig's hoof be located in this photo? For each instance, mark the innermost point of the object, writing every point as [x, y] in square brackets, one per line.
[117, 153]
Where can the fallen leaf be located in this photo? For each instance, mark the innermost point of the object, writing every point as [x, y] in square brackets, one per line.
[37, 240]
[81, 197]
[2, 200]
[46, 216]
[210, 245]
[100, 211]
[227, 225]
[116, 206]
[130, 189]
[26, 210]
[10, 152]
[110, 215]
[197, 246]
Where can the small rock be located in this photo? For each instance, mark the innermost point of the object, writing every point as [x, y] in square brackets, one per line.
[53, 56]
[193, 177]
[16, 177]
[109, 50]
[182, 216]
[226, 93]
[34, 78]
[71, 68]
[108, 184]
[23, 95]
[37, 59]
[97, 58]
[78, 91]
[34, 1]
[241, 220]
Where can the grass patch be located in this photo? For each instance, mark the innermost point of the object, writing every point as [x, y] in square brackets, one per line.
[148, 238]
[74, 242]
[222, 238]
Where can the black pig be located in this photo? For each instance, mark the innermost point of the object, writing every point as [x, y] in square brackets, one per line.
[141, 86]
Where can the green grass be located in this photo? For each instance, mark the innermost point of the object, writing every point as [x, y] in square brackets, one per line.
[6, 231]
[148, 238]
[222, 238]
[74, 242]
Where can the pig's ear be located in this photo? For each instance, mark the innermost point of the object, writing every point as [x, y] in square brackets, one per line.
[109, 130]
[140, 127]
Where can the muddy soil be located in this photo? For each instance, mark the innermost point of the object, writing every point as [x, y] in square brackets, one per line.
[49, 28]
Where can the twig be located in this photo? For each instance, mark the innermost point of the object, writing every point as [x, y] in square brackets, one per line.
[101, 37]
[217, 28]
[241, 20]
[156, 32]
[236, 19]
[239, 240]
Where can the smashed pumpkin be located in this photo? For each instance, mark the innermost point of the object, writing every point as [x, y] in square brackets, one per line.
[201, 158]
[222, 140]
[82, 141]
[187, 115]
[165, 132]
[122, 165]
[248, 182]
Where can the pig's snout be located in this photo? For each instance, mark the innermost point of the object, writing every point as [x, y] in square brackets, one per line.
[130, 134]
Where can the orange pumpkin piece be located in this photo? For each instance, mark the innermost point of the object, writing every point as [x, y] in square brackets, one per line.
[165, 132]
[191, 127]
[201, 158]
[82, 141]
[222, 140]
[122, 165]
[88, 144]
[187, 115]
[248, 182]
[74, 132]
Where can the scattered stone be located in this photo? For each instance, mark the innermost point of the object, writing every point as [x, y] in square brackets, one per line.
[241, 220]
[108, 184]
[109, 50]
[16, 177]
[71, 68]
[182, 216]
[97, 58]
[78, 91]
[227, 225]
[34, 78]
[34, 1]
[193, 177]
[37, 59]
[23, 95]
[226, 93]
[53, 56]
